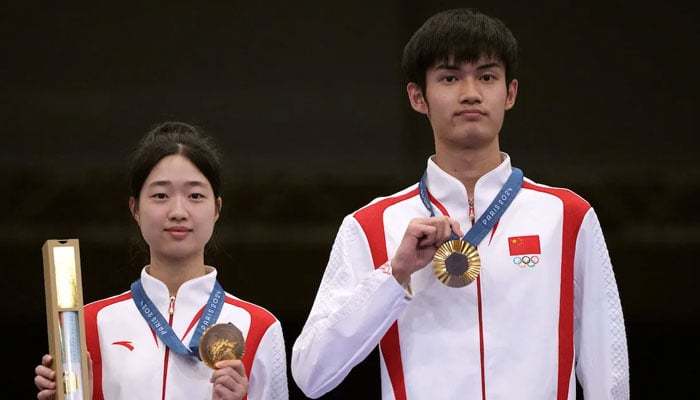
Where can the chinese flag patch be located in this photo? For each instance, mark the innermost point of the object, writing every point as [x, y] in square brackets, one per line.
[524, 245]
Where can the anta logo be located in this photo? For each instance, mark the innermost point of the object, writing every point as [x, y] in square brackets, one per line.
[125, 343]
[386, 268]
[525, 250]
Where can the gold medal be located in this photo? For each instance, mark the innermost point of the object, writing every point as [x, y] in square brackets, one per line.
[456, 263]
[221, 342]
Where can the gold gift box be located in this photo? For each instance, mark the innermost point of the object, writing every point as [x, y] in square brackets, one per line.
[65, 319]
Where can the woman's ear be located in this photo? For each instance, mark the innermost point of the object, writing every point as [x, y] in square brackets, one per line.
[219, 204]
[134, 208]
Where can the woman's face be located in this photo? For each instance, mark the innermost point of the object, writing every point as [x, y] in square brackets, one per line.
[176, 210]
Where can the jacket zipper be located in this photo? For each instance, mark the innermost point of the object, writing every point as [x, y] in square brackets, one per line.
[171, 311]
[472, 216]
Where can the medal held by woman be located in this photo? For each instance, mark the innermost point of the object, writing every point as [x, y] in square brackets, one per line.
[223, 341]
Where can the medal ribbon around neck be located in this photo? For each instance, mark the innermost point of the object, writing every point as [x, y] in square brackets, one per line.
[456, 262]
[161, 326]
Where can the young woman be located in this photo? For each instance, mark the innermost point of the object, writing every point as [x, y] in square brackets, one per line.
[143, 343]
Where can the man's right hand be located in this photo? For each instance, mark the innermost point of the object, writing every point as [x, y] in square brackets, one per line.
[421, 240]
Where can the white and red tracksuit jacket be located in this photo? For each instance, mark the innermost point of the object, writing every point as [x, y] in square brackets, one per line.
[521, 331]
[131, 363]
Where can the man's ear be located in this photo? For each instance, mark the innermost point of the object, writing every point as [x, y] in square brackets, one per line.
[415, 96]
[134, 208]
[512, 94]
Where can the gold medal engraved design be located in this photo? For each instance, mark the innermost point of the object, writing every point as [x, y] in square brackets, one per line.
[456, 263]
[221, 342]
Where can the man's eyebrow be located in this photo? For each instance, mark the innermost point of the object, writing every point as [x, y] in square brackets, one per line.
[447, 66]
[453, 66]
[489, 65]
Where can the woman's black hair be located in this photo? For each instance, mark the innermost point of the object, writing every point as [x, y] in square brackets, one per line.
[170, 138]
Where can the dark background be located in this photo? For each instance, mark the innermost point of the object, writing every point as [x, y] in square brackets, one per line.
[309, 106]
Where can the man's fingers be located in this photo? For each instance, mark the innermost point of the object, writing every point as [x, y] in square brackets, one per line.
[433, 231]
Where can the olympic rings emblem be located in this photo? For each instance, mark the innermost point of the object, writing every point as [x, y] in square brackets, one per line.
[526, 261]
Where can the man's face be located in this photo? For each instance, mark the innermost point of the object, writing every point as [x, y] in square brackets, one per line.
[465, 103]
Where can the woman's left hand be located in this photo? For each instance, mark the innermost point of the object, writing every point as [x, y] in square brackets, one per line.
[230, 380]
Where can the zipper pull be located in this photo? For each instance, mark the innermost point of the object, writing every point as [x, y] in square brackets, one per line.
[471, 211]
[171, 309]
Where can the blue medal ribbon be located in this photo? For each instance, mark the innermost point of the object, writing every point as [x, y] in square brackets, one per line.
[488, 219]
[161, 326]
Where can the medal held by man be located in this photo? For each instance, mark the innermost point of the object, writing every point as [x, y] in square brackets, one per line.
[456, 262]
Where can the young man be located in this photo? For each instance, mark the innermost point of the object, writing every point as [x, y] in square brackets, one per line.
[476, 283]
